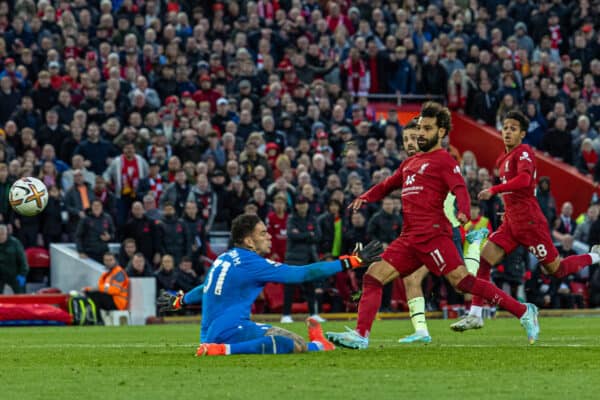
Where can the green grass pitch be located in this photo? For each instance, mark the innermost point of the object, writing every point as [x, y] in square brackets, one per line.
[157, 362]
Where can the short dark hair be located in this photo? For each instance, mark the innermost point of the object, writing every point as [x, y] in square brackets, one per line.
[519, 116]
[242, 226]
[442, 116]
[412, 124]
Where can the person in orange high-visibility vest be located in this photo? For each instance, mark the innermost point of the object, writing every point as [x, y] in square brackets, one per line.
[113, 287]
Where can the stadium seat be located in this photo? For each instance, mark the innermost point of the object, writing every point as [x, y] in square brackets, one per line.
[37, 257]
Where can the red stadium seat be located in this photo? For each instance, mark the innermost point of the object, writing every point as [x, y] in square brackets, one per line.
[38, 257]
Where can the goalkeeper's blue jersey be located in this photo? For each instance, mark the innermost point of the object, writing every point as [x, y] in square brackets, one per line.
[237, 277]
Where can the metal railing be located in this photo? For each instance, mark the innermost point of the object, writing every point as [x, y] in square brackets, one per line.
[400, 98]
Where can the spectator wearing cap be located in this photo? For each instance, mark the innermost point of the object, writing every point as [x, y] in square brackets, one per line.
[223, 114]
[524, 41]
[206, 93]
[303, 238]
[10, 71]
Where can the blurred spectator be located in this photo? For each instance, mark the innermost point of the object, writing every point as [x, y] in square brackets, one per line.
[94, 231]
[124, 174]
[138, 267]
[583, 230]
[565, 224]
[68, 177]
[174, 238]
[78, 199]
[177, 192]
[144, 231]
[128, 249]
[52, 218]
[197, 235]
[97, 151]
[185, 277]
[546, 200]
[277, 227]
[166, 277]
[303, 236]
[587, 158]
[13, 264]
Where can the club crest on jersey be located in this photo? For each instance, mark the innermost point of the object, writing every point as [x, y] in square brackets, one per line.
[423, 168]
[525, 156]
[410, 179]
[456, 170]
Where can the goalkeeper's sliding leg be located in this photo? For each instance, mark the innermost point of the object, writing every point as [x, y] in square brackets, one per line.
[248, 337]
[416, 307]
[253, 338]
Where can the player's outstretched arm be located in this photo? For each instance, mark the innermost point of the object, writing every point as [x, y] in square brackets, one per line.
[283, 273]
[380, 190]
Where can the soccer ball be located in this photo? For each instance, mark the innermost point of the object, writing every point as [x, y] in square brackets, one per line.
[28, 196]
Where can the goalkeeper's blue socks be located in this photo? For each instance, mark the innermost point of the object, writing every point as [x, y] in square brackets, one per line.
[264, 345]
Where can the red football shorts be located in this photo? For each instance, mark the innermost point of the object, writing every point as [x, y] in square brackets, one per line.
[533, 235]
[439, 255]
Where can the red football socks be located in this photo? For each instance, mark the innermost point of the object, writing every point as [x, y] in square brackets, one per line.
[483, 273]
[491, 293]
[572, 265]
[368, 305]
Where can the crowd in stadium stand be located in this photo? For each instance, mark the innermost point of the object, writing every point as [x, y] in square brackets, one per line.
[155, 122]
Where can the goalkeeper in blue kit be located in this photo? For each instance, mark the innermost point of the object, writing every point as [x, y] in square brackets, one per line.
[235, 280]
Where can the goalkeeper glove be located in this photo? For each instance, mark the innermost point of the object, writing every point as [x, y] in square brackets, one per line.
[362, 256]
[168, 302]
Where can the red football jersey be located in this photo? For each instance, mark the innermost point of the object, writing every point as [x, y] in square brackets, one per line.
[277, 228]
[425, 179]
[519, 197]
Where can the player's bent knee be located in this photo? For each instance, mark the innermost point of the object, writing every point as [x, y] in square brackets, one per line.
[492, 253]
[457, 275]
[551, 267]
[383, 271]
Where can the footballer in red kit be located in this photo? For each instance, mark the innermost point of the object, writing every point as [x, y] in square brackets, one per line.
[524, 223]
[426, 237]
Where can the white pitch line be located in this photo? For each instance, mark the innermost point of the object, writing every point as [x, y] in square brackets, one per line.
[98, 346]
[193, 345]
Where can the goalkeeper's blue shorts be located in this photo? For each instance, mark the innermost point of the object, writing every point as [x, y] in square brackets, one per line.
[227, 331]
